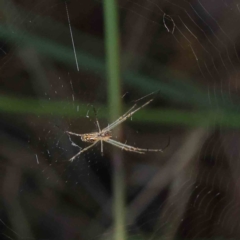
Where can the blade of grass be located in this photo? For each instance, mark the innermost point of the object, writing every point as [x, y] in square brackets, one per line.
[114, 100]
[28, 106]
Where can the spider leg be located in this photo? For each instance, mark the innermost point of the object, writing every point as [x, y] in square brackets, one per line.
[133, 149]
[101, 147]
[98, 125]
[110, 126]
[75, 134]
[125, 116]
[124, 146]
[81, 151]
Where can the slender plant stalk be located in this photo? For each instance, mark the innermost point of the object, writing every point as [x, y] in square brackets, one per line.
[114, 100]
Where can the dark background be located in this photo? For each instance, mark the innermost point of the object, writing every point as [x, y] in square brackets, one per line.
[185, 54]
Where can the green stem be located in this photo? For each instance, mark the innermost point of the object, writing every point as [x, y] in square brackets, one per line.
[114, 100]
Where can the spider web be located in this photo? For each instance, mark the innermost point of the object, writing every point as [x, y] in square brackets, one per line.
[52, 76]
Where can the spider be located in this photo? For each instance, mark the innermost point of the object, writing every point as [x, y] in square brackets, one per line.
[105, 135]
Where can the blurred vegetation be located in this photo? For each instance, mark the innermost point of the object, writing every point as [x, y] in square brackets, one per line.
[208, 117]
[180, 91]
[180, 100]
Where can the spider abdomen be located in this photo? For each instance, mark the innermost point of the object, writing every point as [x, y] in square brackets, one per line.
[96, 136]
